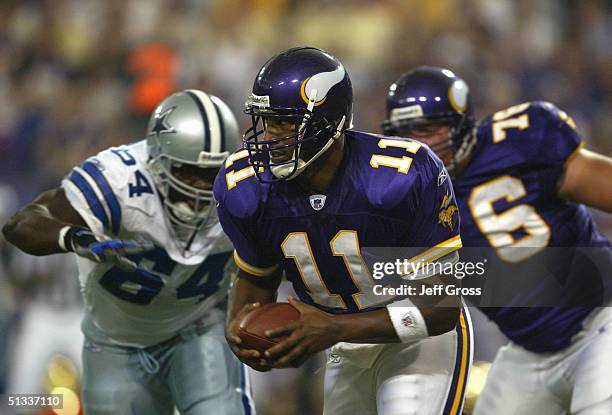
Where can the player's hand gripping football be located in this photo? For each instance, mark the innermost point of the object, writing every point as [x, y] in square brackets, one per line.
[251, 357]
[84, 243]
[316, 330]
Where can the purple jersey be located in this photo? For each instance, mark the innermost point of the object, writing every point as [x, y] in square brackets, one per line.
[386, 193]
[508, 200]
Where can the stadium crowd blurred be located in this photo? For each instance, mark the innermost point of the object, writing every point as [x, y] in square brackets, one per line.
[77, 76]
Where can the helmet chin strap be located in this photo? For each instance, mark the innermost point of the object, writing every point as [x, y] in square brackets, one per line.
[462, 153]
[287, 172]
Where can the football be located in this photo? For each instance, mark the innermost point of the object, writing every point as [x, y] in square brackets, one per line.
[263, 318]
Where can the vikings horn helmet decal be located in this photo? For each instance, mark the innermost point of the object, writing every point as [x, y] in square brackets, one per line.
[458, 95]
[317, 86]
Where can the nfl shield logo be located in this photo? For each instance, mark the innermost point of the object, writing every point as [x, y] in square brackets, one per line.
[407, 320]
[317, 201]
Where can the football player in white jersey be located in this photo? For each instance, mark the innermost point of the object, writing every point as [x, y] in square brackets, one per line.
[154, 264]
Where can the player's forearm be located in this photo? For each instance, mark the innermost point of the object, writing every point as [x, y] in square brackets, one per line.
[376, 326]
[402, 319]
[441, 313]
[587, 180]
[34, 230]
[372, 327]
[244, 292]
[440, 320]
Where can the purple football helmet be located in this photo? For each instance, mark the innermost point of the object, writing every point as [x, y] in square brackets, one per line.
[309, 93]
[432, 95]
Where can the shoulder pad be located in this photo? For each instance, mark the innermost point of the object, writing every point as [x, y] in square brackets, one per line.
[236, 186]
[398, 167]
[98, 187]
[538, 132]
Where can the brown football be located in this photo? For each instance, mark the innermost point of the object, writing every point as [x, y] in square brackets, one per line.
[263, 318]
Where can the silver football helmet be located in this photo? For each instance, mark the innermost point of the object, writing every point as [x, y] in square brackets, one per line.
[193, 130]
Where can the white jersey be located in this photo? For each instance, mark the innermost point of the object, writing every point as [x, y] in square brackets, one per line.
[116, 197]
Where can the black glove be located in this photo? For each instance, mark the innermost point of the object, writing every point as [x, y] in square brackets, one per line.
[84, 243]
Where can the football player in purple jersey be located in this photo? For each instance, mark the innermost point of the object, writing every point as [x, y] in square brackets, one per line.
[523, 182]
[303, 197]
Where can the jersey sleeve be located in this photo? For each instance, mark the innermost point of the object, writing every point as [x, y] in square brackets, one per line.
[434, 231]
[246, 253]
[91, 189]
[558, 139]
[235, 208]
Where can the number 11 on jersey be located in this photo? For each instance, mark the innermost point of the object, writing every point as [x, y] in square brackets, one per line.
[344, 244]
[401, 164]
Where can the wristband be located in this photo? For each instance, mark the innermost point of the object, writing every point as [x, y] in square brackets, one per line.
[407, 320]
[61, 239]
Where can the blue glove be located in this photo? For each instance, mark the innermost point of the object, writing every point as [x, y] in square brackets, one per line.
[84, 243]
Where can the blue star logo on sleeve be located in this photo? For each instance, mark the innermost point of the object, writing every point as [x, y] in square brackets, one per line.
[162, 126]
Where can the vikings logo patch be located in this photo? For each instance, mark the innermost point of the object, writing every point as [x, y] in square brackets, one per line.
[316, 87]
[447, 212]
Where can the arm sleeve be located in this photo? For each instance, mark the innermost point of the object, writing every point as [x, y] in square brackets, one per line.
[91, 194]
[558, 139]
[247, 252]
